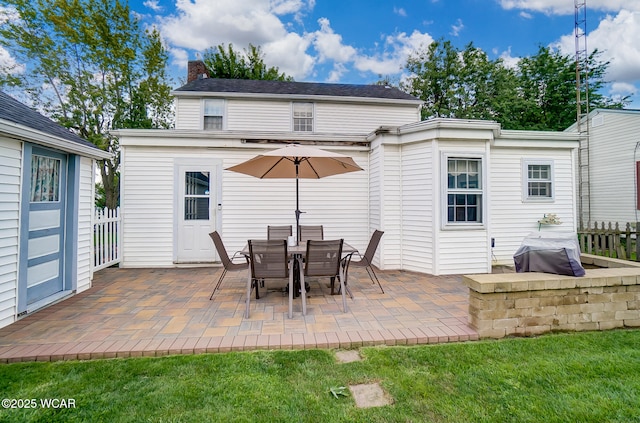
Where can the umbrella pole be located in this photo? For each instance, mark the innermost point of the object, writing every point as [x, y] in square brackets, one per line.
[297, 163]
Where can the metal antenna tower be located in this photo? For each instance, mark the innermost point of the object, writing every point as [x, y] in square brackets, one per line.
[582, 116]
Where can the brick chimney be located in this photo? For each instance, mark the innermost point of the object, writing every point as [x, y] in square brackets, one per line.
[196, 70]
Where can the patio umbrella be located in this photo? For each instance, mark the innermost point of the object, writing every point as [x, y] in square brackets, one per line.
[297, 161]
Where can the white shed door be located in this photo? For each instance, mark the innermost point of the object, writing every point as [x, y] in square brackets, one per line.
[196, 213]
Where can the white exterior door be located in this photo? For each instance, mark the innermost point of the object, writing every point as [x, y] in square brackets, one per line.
[196, 211]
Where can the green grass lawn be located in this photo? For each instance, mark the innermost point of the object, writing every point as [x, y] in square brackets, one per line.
[580, 377]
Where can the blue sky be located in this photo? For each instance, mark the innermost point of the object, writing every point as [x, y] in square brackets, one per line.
[356, 41]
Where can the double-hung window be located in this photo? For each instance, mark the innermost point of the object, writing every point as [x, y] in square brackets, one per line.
[213, 114]
[464, 191]
[303, 117]
[538, 180]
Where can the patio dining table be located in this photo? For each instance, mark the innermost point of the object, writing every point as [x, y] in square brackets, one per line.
[297, 251]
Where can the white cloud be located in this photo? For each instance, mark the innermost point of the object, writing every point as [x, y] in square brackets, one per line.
[526, 15]
[153, 5]
[336, 73]
[457, 28]
[200, 24]
[557, 7]
[284, 7]
[180, 57]
[329, 45]
[8, 63]
[508, 60]
[616, 37]
[623, 88]
[397, 47]
[400, 11]
[290, 55]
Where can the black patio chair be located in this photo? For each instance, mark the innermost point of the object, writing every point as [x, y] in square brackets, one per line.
[308, 232]
[279, 232]
[227, 263]
[268, 260]
[323, 259]
[366, 261]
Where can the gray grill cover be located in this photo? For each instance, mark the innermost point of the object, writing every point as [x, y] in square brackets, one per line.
[552, 252]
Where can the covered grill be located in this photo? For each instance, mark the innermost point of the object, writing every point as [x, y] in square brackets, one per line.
[551, 252]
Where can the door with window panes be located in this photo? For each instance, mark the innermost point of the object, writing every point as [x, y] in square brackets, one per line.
[196, 213]
[45, 226]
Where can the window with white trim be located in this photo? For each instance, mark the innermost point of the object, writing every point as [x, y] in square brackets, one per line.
[213, 114]
[303, 117]
[464, 191]
[538, 180]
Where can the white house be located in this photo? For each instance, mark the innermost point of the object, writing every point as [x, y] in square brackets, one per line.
[46, 203]
[613, 166]
[442, 190]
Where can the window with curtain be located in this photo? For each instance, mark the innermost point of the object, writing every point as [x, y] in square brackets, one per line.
[303, 117]
[45, 179]
[213, 114]
[464, 190]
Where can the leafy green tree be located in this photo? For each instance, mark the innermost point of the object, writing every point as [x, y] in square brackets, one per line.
[434, 74]
[90, 67]
[539, 94]
[226, 62]
[459, 84]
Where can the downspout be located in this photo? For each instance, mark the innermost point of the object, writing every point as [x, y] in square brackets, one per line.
[369, 191]
[402, 219]
[635, 180]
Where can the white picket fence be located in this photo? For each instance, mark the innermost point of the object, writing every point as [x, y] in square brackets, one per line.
[107, 237]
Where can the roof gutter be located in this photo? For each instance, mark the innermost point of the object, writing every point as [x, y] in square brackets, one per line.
[24, 133]
[294, 97]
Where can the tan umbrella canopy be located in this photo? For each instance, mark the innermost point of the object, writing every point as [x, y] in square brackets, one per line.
[297, 161]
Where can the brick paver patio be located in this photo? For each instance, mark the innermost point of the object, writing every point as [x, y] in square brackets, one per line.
[153, 312]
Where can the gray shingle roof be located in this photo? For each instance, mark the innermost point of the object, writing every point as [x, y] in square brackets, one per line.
[294, 88]
[14, 111]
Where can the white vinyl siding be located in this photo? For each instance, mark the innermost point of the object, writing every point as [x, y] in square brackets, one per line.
[462, 252]
[511, 217]
[375, 190]
[248, 204]
[85, 226]
[10, 175]
[147, 202]
[188, 113]
[418, 207]
[360, 118]
[391, 206]
[613, 151]
[255, 115]
[274, 115]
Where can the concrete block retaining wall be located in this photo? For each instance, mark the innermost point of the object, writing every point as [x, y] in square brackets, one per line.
[525, 304]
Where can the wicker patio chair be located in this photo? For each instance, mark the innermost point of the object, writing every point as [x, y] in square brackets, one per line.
[323, 259]
[279, 232]
[366, 261]
[308, 232]
[227, 263]
[268, 260]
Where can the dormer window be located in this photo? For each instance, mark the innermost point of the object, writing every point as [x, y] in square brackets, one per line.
[213, 114]
[303, 117]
